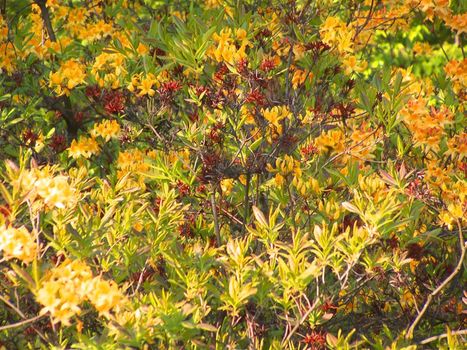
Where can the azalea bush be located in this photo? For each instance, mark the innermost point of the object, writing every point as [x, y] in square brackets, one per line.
[233, 174]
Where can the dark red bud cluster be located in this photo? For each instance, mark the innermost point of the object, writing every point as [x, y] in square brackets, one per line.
[256, 97]
[242, 66]
[58, 143]
[267, 65]
[30, 137]
[317, 47]
[222, 70]
[114, 101]
[168, 89]
[308, 151]
[79, 117]
[93, 91]
[315, 340]
[183, 188]
[186, 229]
[215, 134]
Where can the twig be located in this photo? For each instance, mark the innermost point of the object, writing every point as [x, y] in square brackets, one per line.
[441, 336]
[367, 20]
[246, 201]
[21, 323]
[287, 73]
[18, 311]
[216, 220]
[46, 18]
[441, 286]
[23, 316]
[300, 322]
[232, 217]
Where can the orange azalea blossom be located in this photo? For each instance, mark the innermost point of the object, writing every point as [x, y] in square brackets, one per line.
[457, 71]
[457, 146]
[363, 142]
[427, 125]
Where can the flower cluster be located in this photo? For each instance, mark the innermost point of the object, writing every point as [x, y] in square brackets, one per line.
[108, 69]
[70, 74]
[426, 124]
[107, 129]
[234, 170]
[17, 243]
[226, 49]
[64, 288]
[84, 147]
[41, 186]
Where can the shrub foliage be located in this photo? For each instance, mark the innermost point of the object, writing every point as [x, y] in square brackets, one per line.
[232, 174]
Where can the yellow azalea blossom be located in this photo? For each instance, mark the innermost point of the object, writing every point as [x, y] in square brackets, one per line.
[107, 69]
[299, 51]
[241, 34]
[332, 140]
[247, 114]
[66, 287]
[352, 64]
[107, 129]
[132, 162]
[299, 77]
[17, 243]
[145, 87]
[275, 116]
[135, 79]
[42, 186]
[57, 192]
[455, 209]
[227, 185]
[225, 49]
[70, 74]
[142, 49]
[104, 295]
[285, 166]
[335, 32]
[85, 147]
[446, 219]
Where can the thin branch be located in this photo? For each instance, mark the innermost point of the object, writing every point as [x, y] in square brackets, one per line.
[463, 246]
[300, 322]
[23, 316]
[441, 336]
[246, 201]
[46, 18]
[21, 323]
[216, 219]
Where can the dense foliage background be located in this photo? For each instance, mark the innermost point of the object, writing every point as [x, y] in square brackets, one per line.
[233, 174]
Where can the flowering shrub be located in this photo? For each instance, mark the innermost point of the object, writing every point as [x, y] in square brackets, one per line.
[232, 175]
